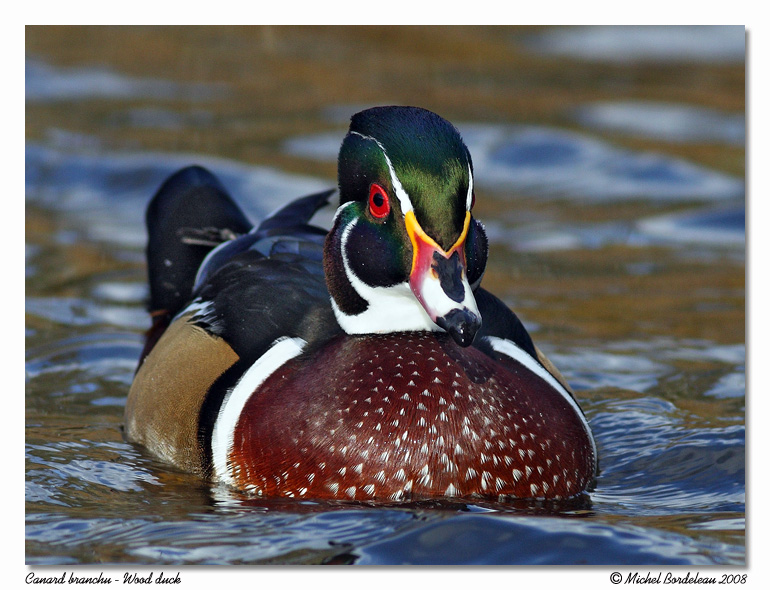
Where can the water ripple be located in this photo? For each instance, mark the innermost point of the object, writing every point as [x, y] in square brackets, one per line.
[629, 44]
[665, 121]
[44, 82]
[552, 162]
[488, 539]
[106, 193]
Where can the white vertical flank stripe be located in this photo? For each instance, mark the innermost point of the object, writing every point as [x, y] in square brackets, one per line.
[282, 351]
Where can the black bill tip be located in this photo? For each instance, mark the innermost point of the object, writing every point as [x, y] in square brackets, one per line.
[461, 324]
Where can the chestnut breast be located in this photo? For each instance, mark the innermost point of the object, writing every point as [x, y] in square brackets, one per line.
[408, 416]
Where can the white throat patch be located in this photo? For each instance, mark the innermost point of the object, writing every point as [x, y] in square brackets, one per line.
[391, 309]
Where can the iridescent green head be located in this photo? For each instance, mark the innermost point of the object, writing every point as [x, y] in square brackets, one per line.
[405, 252]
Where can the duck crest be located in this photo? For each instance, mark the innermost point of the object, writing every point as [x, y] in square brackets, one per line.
[430, 168]
[362, 363]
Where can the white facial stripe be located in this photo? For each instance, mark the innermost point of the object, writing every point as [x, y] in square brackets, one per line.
[512, 351]
[395, 308]
[469, 197]
[222, 438]
[403, 197]
[402, 311]
[340, 209]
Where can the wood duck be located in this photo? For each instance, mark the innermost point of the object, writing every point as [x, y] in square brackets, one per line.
[364, 363]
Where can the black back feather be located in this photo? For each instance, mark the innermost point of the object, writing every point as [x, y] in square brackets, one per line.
[191, 201]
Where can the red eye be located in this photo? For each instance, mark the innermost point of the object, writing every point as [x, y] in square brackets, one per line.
[379, 204]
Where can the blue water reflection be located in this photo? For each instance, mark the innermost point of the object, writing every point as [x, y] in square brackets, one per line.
[664, 121]
[550, 162]
[44, 82]
[644, 44]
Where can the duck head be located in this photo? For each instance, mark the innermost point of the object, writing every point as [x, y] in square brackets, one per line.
[404, 252]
